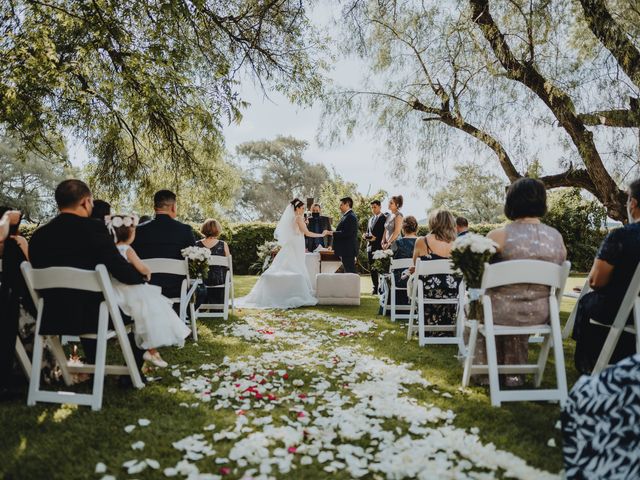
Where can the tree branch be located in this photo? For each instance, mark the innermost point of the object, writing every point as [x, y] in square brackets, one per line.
[612, 118]
[613, 37]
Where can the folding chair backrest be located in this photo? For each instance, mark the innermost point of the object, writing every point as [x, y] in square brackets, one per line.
[434, 267]
[59, 277]
[526, 271]
[220, 261]
[400, 263]
[167, 265]
[630, 296]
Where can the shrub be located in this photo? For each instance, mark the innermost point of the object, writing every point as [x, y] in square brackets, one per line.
[580, 221]
[244, 240]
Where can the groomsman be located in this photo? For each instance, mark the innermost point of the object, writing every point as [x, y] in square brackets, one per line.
[345, 237]
[462, 226]
[373, 236]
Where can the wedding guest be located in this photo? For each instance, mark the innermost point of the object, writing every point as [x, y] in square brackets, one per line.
[373, 236]
[14, 296]
[317, 223]
[437, 246]
[101, 210]
[612, 270]
[393, 224]
[405, 247]
[211, 229]
[462, 226]
[9, 217]
[525, 238]
[164, 237]
[72, 239]
[157, 325]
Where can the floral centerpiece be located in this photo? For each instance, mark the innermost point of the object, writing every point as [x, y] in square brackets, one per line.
[198, 259]
[468, 255]
[382, 260]
[266, 253]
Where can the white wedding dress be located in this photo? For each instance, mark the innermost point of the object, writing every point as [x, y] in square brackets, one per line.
[286, 283]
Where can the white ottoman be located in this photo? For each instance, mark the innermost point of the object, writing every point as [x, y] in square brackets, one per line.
[338, 289]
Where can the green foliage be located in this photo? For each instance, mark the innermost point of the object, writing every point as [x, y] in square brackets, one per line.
[474, 194]
[580, 221]
[244, 240]
[276, 173]
[27, 181]
[143, 82]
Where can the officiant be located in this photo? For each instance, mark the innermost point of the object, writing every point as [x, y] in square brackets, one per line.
[317, 223]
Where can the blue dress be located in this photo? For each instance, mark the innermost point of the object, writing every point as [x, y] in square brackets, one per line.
[404, 249]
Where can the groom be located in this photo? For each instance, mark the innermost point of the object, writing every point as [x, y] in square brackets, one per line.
[345, 237]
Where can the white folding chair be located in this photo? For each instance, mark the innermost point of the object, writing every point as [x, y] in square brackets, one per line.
[510, 273]
[418, 302]
[209, 310]
[391, 290]
[568, 327]
[89, 281]
[630, 304]
[23, 358]
[187, 288]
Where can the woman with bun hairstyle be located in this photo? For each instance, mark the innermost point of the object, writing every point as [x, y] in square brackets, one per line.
[393, 225]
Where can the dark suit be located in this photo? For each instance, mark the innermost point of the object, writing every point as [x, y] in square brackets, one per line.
[345, 241]
[375, 227]
[13, 295]
[318, 225]
[73, 241]
[163, 237]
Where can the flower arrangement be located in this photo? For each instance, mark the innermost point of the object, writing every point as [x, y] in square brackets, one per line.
[382, 260]
[266, 253]
[198, 259]
[468, 255]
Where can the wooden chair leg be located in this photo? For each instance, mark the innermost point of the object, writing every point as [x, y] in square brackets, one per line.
[412, 314]
[194, 326]
[60, 357]
[558, 354]
[492, 365]
[607, 349]
[36, 366]
[23, 358]
[421, 334]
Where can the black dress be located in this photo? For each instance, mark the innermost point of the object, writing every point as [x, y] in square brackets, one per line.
[215, 277]
[439, 287]
[404, 249]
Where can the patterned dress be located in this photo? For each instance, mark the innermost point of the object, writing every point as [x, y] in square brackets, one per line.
[439, 287]
[524, 304]
[390, 227]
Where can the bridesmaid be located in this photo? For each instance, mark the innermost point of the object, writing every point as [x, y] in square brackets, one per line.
[393, 225]
[211, 229]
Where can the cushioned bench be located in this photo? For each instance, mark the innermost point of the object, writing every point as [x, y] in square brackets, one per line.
[338, 289]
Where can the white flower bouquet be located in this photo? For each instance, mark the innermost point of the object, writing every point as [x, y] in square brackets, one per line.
[468, 255]
[266, 253]
[198, 258]
[382, 260]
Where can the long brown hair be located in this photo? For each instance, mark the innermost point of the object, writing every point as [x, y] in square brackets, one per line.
[442, 225]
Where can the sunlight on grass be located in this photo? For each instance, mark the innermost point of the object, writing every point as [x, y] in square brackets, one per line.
[64, 412]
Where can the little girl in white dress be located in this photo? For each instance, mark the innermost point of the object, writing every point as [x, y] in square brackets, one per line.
[156, 323]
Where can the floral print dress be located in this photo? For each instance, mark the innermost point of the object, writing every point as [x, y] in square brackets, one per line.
[439, 287]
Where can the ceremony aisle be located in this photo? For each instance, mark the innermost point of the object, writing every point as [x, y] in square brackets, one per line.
[312, 393]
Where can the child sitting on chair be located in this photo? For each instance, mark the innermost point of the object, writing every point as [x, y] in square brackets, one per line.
[156, 324]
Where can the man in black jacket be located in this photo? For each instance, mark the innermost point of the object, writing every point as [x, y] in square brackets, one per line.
[345, 237]
[72, 239]
[164, 237]
[373, 236]
[317, 224]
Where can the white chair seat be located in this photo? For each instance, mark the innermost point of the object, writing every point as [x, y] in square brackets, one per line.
[525, 330]
[212, 310]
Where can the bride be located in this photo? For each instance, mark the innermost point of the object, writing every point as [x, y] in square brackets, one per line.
[286, 283]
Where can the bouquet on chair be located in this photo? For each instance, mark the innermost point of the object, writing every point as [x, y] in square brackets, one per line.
[198, 259]
[468, 256]
[382, 260]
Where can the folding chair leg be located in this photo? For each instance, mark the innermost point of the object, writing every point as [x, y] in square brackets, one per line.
[542, 360]
[636, 322]
[421, 335]
[101, 356]
[471, 350]
[194, 327]
[23, 358]
[36, 366]
[607, 350]
[412, 314]
[492, 364]
[558, 353]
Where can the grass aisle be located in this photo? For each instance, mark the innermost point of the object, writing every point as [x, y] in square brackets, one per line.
[315, 393]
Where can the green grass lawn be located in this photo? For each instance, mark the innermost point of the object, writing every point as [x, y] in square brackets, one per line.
[50, 441]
